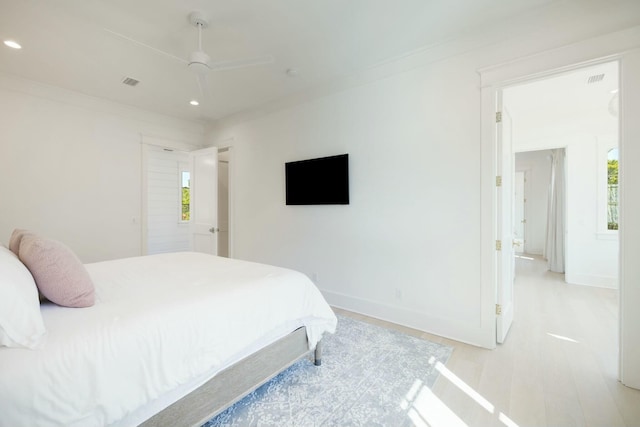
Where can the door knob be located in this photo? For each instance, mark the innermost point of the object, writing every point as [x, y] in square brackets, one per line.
[213, 229]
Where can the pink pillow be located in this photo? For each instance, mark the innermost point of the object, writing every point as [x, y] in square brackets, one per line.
[58, 272]
[16, 238]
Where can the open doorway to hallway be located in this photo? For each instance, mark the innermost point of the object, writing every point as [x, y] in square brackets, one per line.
[576, 111]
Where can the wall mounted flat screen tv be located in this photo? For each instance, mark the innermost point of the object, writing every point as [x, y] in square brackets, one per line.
[321, 181]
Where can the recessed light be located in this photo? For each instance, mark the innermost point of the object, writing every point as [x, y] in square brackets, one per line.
[12, 44]
[194, 102]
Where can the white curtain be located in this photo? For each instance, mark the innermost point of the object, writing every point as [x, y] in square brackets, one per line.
[554, 245]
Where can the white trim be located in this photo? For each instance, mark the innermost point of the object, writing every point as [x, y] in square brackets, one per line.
[232, 201]
[463, 332]
[591, 280]
[561, 60]
[629, 230]
[144, 198]
[170, 144]
[231, 192]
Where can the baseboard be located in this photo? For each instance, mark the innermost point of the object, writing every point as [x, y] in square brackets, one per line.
[608, 282]
[447, 328]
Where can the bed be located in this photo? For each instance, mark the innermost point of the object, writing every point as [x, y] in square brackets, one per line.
[171, 339]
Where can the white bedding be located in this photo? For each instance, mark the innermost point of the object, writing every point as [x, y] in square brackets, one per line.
[161, 325]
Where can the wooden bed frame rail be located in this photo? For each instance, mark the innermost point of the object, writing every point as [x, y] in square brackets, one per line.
[235, 382]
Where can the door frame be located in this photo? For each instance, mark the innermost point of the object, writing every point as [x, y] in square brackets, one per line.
[147, 141]
[622, 46]
[231, 194]
[607, 48]
[491, 103]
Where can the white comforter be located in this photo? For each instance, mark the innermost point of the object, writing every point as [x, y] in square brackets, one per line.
[161, 326]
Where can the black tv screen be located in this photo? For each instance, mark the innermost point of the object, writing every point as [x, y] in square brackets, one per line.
[322, 181]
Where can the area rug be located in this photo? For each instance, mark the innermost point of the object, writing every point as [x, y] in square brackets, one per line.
[367, 378]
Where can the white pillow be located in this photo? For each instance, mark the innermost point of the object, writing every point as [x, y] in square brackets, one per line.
[21, 323]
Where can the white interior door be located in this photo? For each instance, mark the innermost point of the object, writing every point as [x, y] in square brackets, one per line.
[505, 256]
[204, 200]
[519, 212]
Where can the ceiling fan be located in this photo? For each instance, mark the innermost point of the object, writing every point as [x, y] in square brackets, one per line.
[199, 62]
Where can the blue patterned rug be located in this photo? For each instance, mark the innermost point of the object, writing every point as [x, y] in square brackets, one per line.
[368, 377]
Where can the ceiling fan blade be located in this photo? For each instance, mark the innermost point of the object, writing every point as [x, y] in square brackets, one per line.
[240, 63]
[139, 43]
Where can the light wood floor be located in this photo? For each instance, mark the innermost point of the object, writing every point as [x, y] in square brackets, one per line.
[558, 366]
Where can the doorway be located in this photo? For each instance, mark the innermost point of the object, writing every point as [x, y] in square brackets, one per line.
[622, 47]
[165, 220]
[224, 159]
[548, 119]
[170, 221]
[575, 114]
[577, 111]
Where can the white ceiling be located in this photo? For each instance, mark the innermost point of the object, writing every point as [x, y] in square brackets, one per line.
[65, 44]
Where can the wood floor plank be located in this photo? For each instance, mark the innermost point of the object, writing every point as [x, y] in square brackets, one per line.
[557, 367]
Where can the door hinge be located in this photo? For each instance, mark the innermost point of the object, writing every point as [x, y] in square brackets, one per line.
[498, 181]
[498, 245]
[498, 309]
[498, 116]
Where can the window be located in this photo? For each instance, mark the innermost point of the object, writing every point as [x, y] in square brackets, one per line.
[612, 189]
[185, 188]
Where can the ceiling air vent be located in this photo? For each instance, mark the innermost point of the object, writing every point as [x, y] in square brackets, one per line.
[130, 81]
[595, 78]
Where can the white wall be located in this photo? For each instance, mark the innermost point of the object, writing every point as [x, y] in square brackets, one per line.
[70, 167]
[537, 165]
[383, 248]
[407, 247]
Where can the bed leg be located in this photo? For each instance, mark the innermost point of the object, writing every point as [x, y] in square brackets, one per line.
[317, 354]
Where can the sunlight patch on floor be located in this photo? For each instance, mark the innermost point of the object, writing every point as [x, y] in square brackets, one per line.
[563, 338]
[506, 420]
[425, 409]
[468, 390]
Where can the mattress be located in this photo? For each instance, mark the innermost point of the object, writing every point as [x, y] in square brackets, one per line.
[161, 326]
